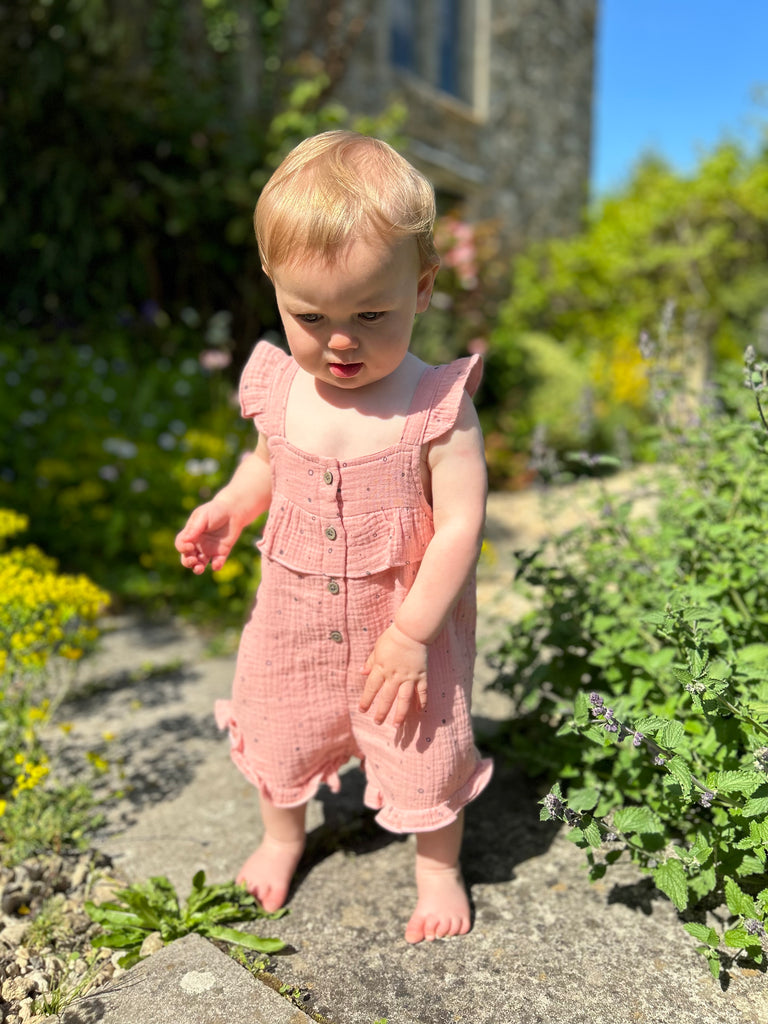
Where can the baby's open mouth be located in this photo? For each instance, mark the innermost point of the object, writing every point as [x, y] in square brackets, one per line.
[345, 369]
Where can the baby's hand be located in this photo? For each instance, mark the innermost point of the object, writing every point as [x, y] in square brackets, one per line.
[396, 670]
[208, 537]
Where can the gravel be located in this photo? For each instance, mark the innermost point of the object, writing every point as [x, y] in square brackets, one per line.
[46, 957]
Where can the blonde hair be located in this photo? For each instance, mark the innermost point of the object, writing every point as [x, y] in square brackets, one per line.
[336, 187]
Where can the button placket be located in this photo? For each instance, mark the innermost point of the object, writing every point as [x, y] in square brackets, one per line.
[334, 551]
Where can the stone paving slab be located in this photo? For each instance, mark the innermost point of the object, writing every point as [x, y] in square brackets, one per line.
[546, 946]
[188, 982]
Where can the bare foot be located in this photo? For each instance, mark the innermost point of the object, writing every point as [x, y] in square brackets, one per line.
[268, 871]
[442, 908]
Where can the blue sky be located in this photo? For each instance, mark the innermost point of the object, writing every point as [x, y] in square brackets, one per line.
[676, 77]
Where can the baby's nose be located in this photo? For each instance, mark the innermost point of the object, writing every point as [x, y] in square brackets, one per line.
[341, 340]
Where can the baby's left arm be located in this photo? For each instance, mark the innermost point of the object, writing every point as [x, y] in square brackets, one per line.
[397, 667]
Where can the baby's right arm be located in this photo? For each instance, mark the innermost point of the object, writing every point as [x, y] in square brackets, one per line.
[213, 528]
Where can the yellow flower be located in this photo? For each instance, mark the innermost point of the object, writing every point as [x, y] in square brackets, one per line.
[99, 763]
[3, 805]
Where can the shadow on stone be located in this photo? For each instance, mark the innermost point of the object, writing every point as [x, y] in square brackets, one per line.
[502, 827]
[640, 896]
[348, 826]
[151, 686]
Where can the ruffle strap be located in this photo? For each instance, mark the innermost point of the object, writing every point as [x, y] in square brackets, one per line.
[267, 370]
[438, 398]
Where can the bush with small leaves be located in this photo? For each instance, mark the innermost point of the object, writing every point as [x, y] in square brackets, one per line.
[639, 675]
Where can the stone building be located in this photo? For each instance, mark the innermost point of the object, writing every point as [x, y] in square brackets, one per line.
[498, 94]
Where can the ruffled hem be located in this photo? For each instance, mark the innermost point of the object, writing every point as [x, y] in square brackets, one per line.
[293, 796]
[406, 821]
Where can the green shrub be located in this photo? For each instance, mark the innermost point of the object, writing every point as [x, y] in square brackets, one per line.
[699, 243]
[639, 674]
[111, 445]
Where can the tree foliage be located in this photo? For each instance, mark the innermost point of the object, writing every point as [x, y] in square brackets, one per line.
[697, 244]
[133, 141]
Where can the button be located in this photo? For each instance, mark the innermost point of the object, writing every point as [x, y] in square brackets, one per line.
[336, 637]
[334, 587]
[328, 476]
[330, 533]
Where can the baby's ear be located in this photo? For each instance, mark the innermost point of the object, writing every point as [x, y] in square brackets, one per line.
[425, 286]
[267, 272]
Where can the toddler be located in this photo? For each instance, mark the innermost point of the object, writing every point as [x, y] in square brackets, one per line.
[361, 642]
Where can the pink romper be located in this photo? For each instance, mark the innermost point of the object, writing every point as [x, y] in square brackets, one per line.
[341, 548]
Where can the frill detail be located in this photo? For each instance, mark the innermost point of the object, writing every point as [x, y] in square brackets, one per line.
[419, 820]
[257, 383]
[373, 542]
[452, 381]
[294, 796]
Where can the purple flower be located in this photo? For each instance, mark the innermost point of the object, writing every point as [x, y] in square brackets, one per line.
[659, 760]
[752, 927]
[637, 739]
[646, 345]
[706, 798]
[553, 805]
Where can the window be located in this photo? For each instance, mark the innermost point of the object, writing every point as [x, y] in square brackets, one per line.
[438, 41]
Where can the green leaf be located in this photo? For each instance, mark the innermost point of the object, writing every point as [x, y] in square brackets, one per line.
[700, 850]
[753, 654]
[113, 914]
[703, 933]
[583, 799]
[739, 938]
[671, 879]
[254, 942]
[581, 714]
[593, 835]
[119, 939]
[738, 901]
[741, 781]
[650, 725]
[714, 966]
[637, 819]
[671, 735]
[681, 773]
[757, 805]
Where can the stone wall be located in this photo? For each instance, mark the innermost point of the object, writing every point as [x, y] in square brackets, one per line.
[516, 146]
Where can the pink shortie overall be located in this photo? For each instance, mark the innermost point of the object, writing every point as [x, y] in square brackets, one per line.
[341, 548]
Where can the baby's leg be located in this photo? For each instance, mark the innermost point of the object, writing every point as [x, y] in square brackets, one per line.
[268, 871]
[442, 908]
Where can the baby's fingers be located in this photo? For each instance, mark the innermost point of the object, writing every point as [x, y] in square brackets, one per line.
[403, 704]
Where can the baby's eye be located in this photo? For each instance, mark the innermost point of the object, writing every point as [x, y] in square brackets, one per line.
[370, 318]
[309, 318]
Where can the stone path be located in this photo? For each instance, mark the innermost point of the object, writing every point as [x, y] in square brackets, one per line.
[546, 945]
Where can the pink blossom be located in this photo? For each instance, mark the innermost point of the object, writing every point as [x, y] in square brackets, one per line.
[477, 347]
[214, 359]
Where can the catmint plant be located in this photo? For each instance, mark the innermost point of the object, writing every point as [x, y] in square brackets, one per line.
[644, 654]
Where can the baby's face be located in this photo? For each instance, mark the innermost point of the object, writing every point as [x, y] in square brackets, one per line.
[348, 322]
